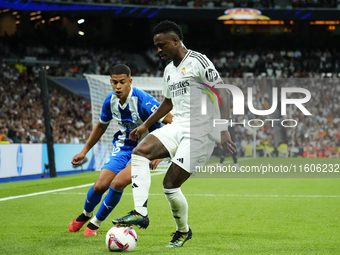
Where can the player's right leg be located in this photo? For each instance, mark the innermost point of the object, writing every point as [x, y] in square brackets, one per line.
[234, 155]
[235, 162]
[94, 196]
[149, 148]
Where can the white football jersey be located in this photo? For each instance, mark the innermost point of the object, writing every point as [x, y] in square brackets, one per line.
[188, 86]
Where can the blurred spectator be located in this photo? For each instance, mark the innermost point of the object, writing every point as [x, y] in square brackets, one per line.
[22, 112]
[22, 69]
[17, 138]
[4, 140]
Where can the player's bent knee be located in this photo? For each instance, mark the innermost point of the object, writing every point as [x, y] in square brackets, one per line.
[169, 184]
[120, 184]
[142, 151]
[100, 188]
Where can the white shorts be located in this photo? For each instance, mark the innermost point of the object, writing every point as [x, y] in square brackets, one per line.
[185, 152]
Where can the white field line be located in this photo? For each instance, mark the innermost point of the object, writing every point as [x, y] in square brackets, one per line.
[58, 191]
[55, 190]
[222, 195]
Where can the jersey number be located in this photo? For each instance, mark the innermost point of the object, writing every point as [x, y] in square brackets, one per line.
[154, 108]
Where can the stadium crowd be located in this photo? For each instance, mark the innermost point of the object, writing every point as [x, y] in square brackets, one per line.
[21, 111]
[187, 3]
[284, 63]
[218, 3]
[315, 135]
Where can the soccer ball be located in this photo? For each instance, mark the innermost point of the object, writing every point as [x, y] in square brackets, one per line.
[121, 239]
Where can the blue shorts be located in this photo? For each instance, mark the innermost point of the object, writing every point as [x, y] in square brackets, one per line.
[119, 158]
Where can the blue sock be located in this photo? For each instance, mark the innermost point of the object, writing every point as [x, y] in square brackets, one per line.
[109, 202]
[92, 200]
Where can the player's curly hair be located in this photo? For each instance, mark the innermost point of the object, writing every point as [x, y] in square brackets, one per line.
[167, 26]
[121, 69]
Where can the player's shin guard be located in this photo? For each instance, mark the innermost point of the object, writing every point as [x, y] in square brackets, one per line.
[141, 181]
[92, 200]
[179, 208]
[109, 203]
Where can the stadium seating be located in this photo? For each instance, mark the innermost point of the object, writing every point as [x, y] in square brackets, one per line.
[282, 150]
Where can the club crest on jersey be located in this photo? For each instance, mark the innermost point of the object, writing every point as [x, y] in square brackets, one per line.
[183, 72]
[134, 117]
[211, 75]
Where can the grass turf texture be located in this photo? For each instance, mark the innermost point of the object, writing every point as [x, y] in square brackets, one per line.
[227, 216]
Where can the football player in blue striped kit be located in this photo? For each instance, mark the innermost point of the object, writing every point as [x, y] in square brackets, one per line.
[130, 107]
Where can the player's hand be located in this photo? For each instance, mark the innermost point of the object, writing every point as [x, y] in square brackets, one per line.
[227, 143]
[78, 159]
[137, 133]
[154, 163]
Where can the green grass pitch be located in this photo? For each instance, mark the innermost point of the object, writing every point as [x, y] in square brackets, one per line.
[267, 215]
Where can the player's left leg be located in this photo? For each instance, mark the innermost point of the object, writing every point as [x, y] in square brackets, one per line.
[191, 152]
[172, 182]
[222, 154]
[116, 162]
[94, 196]
[235, 161]
[118, 184]
[234, 155]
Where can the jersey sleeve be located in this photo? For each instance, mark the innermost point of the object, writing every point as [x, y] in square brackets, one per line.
[106, 114]
[206, 71]
[147, 105]
[166, 91]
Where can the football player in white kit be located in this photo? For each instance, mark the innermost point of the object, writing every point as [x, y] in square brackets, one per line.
[188, 140]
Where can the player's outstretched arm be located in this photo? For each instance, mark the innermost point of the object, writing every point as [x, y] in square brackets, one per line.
[96, 134]
[164, 108]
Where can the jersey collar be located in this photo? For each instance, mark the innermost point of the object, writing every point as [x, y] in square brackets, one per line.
[186, 55]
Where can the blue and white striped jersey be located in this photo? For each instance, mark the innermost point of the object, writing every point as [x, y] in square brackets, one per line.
[138, 107]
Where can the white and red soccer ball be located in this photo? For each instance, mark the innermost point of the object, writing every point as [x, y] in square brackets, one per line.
[121, 239]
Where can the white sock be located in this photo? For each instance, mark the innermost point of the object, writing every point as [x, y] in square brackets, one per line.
[96, 222]
[141, 181]
[87, 214]
[179, 208]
